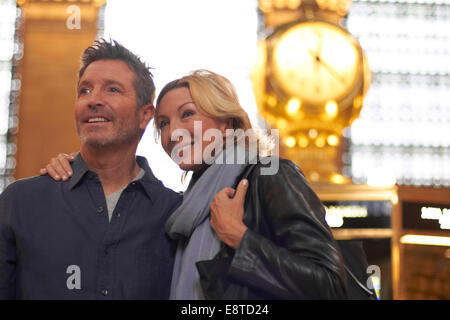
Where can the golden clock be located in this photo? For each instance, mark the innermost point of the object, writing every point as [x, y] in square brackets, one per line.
[316, 62]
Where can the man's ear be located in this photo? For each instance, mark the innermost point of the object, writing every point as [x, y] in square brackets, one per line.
[146, 113]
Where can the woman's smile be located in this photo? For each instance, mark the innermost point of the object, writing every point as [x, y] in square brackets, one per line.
[183, 128]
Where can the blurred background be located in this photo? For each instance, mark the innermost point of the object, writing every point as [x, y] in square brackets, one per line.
[378, 154]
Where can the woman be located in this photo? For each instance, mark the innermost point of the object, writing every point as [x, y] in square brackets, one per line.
[268, 242]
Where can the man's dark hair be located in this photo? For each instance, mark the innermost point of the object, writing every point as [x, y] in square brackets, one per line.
[112, 50]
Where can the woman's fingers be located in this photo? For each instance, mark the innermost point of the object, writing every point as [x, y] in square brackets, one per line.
[52, 172]
[225, 193]
[72, 156]
[57, 168]
[64, 159]
[241, 191]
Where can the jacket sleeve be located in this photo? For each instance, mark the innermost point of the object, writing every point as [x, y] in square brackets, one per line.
[7, 252]
[301, 259]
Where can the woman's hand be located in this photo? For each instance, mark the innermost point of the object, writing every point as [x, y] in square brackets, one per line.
[59, 167]
[227, 211]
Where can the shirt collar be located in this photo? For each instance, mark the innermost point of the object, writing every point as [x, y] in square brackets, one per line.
[149, 182]
[79, 170]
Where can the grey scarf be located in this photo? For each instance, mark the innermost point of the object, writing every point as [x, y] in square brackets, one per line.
[190, 224]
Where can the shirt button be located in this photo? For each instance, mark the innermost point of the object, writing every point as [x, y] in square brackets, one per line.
[104, 292]
[106, 250]
[99, 210]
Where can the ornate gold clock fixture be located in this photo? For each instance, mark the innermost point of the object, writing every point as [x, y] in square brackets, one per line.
[316, 62]
[310, 79]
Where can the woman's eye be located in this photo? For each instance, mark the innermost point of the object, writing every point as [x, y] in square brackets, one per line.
[163, 123]
[187, 113]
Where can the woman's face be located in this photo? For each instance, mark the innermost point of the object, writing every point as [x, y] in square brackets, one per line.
[183, 128]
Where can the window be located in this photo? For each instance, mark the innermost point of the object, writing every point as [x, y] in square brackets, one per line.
[10, 55]
[403, 132]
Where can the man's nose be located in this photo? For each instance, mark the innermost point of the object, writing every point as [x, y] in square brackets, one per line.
[95, 99]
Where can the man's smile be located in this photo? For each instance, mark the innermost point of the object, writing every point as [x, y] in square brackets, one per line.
[97, 119]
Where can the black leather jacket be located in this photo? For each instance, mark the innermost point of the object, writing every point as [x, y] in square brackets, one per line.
[288, 251]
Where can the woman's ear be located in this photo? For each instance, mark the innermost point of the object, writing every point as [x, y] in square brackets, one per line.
[228, 124]
[224, 125]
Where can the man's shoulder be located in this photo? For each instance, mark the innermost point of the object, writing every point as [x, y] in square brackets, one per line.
[31, 184]
[167, 192]
[167, 189]
[150, 179]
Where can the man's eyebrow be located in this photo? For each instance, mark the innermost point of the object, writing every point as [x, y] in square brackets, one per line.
[107, 82]
[83, 83]
[115, 82]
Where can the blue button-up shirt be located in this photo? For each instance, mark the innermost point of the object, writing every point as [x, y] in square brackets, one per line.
[56, 241]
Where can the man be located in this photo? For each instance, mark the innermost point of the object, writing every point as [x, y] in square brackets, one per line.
[101, 235]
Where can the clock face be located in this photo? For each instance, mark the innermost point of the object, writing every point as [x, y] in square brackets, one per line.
[316, 62]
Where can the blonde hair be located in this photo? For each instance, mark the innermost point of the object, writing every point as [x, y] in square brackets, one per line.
[215, 96]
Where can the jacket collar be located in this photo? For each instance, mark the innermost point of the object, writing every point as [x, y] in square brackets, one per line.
[149, 182]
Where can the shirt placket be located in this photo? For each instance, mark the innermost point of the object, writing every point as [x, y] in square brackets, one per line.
[107, 249]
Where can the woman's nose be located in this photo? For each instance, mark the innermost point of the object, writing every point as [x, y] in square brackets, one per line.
[177, 132]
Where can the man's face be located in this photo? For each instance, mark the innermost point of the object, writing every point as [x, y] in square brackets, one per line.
[106, 110]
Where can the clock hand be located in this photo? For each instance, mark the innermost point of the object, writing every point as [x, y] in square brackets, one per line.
[318, 52]
[327, 67]
[333, 72]
[316, 60]
[319, 45]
